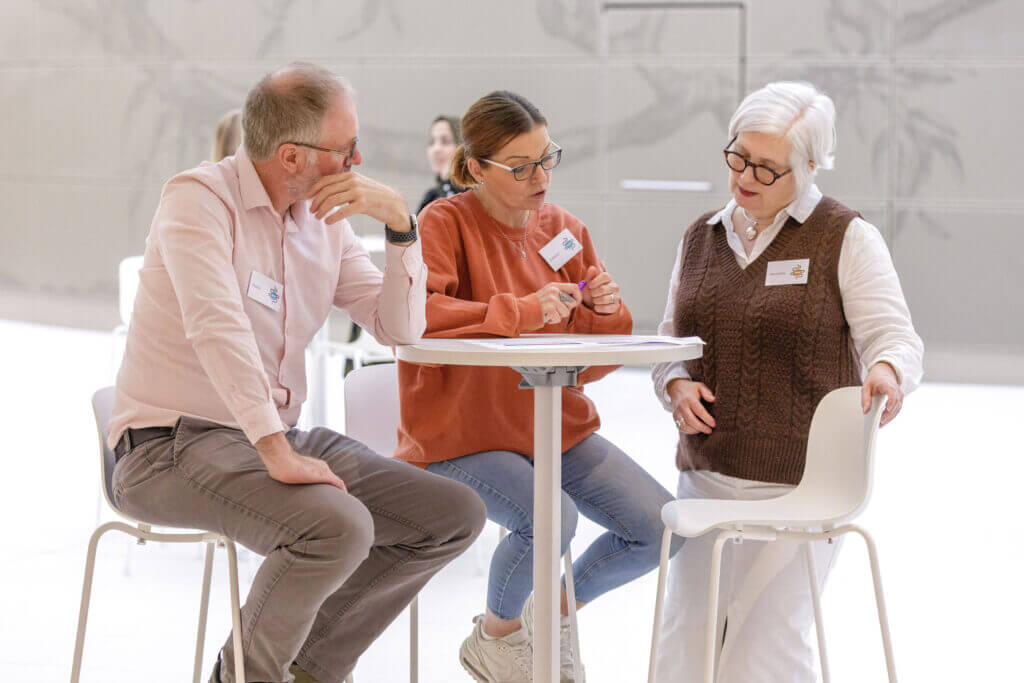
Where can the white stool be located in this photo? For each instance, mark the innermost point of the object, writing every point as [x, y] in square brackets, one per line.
[835, 488]
[102, 403]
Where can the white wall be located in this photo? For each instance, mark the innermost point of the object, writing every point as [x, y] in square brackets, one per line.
[103, 100]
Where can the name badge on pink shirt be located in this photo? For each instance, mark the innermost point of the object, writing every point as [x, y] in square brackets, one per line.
[265, 291]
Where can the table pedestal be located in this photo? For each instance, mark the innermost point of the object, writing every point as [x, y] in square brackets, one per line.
[547, 386]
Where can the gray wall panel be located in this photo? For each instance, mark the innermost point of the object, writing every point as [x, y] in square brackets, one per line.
[103, 100]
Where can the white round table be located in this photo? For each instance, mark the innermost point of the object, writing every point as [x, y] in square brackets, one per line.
[547, 363]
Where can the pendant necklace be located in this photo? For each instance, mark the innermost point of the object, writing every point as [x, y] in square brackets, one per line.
[751, 232]
[521, 241]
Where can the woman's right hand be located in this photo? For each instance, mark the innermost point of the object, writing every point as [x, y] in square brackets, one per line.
[557, 299]
[689, 413]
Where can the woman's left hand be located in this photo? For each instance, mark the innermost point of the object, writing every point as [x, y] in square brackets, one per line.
[601, 293]
[882, 381]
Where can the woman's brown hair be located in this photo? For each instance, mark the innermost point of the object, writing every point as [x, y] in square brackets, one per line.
[488, 125]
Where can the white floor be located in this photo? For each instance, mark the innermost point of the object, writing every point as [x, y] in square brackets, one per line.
[945, 514]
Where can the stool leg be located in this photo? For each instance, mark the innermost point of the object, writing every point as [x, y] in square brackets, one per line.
[236, 615]
[414, 640]
[883, 619]
[711, 640]
[83, 609]
[819, 623]
[204, 604]
[574, 629]
[659, 602]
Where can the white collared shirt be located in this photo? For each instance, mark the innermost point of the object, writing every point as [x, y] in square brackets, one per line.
[873, 303]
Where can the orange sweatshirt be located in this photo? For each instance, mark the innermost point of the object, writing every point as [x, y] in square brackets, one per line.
[479, 285]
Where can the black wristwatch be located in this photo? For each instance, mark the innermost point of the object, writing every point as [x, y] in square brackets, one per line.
[396, 237]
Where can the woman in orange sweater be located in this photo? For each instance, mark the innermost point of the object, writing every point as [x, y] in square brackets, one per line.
[488, 277]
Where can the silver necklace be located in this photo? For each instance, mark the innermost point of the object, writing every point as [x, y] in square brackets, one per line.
[513, 240]
[751, 232]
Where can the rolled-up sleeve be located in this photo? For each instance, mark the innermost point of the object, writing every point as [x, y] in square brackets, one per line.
[663, 373]
[193, 236]
[390, 305]
[879, 319]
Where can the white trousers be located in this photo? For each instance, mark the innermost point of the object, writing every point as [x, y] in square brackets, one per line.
[765, 599]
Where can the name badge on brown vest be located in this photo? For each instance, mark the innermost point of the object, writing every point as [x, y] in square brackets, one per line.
[787, 272]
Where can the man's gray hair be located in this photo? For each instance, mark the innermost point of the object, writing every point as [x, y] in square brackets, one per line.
[798, 112]
[288, 105]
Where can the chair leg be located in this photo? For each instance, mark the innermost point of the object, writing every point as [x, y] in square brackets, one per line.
[819, 623]
[659, 602]
[236, 615]
[883, 619]
[414, 640]
[204, 604]
[83, 609]
[574, 629]
[711, 634]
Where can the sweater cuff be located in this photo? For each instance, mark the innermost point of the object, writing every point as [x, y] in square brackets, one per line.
[260, 421]
[531, 316]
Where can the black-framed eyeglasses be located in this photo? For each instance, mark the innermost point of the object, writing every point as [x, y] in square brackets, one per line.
[347, 154]
[525, 171]
[739, 163]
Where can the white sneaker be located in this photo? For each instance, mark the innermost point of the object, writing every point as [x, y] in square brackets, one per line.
[508, 659]
[566, 661]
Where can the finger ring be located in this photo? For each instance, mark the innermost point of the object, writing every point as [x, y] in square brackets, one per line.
[679, 424]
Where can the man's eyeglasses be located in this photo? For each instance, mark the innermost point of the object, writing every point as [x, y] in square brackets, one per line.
[525, 171]
[739, 163]
[347, 154]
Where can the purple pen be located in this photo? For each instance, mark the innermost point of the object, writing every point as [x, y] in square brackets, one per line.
[582, 284]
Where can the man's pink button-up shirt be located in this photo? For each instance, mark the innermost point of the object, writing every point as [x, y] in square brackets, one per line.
[199, 345]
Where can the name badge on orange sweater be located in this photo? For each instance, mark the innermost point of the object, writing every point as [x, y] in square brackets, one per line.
[787, 272]
[558, 251]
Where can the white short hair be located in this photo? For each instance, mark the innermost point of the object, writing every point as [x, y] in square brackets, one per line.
[801, 114]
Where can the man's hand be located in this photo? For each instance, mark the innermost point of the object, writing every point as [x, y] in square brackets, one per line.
[357, 194]
[881, 380]
[288, 467]
[689, 413]
[601, 293]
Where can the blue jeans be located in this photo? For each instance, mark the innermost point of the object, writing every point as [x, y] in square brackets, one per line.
[598, 480]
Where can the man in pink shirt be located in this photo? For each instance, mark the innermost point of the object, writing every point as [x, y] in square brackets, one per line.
[243, 262]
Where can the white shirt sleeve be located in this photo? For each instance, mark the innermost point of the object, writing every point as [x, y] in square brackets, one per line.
[873, 302]
[663, 373]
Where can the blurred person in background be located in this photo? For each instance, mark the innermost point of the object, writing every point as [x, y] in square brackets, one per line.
[227, 137]
[444, 138]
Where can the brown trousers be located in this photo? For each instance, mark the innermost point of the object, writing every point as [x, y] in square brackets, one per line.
[339, 566]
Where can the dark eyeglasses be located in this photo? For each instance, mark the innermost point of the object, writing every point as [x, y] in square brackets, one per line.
[525, 171]
[348, 154]
[739, 163]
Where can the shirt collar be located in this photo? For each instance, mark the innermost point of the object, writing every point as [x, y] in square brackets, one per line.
[799, 209]
[250, 186]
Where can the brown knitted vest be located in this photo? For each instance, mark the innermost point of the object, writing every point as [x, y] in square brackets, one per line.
[772, 353]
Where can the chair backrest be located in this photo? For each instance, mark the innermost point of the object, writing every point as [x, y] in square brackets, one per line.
[372, 407]
[102, 408]
[836, 483]
[128, 285]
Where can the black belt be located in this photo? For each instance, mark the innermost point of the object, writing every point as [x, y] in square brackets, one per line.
[136, 437]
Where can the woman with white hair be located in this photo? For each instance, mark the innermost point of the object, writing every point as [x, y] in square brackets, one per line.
[795, 295]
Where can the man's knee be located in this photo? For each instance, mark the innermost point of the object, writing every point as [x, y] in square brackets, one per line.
[344, 535]
[467, 513]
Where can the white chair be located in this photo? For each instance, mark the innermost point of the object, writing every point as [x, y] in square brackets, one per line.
[102, 403]
[835, 488]
[372, 412]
